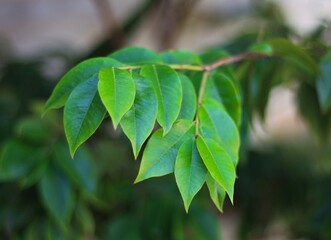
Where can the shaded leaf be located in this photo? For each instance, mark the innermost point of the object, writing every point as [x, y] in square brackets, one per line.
[294, 54]
[323, 82]
[216, 192]
[78, 74]
[161, 150]
[18, 159]
[215, 123]
[169, 93]
[180, 57]
[57, 195]
[138, 122]
[136, 55]
[117, 91]
[190, 172]
[80, 170]
[218, 163]
[189, 102]
[228, 94]
[83, 113]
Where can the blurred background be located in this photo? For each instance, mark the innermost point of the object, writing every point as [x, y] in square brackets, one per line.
[283, 190]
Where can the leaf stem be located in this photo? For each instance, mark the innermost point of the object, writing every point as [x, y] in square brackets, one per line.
[200, 98]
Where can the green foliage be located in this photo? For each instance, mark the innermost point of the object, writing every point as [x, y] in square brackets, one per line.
[198, 107]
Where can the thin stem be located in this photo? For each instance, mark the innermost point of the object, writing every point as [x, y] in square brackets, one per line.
[234, 59]
[209, 67]
[200, 98]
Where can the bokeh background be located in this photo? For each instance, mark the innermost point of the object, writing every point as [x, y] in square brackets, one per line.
[283, 189]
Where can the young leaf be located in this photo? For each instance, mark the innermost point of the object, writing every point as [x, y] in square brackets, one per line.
[216, 192]
[57, 195]
[190, 172]
[189, 101]
[83, 113]
[180, 57]
[136, 55]
[323, 82]
[138, 122]
[80, 73]
[218, 163]
[161, 150]
[168, 91]
[228, 94]
[117, 91]
[215, 123]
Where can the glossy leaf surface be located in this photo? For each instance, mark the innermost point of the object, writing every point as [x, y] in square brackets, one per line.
[215, 123]
[168, 88]
[218, 163]
[190, 171]
[139, 121]
[80, 73]
[117, 91]
[161, 150]
[83, 113]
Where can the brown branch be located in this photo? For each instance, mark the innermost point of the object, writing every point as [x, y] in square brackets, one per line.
[234, 59]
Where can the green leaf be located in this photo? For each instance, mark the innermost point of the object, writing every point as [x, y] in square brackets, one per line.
[215, 123]
[189, 102]
[168, 91]
[323, 82]
[57, 195]
[33, 130]
[161, 150]
[218, 163]
[228, 94]
[18, 159]
[190, 172]
[138, 122]
[180, 57]
[294, 54]
[80, 170]
[83, 113]
[80, 73]
[263, 48]
[136, 55]
[217, 193]
[117, 92]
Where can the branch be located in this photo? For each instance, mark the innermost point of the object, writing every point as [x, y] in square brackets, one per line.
[234, 59]
[212, 66]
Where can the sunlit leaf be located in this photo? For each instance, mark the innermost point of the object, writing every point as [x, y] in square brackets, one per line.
[117, 91]
[216, 123]
[218, 163]
[190, 171]
[80, 73]
[168, 88]
[161, 151]
[139, 121]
